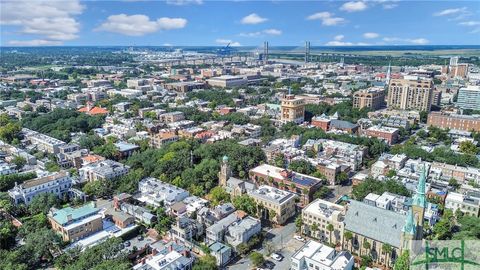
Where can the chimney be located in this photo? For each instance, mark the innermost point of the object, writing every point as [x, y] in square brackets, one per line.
[69, 217]
[170, 248]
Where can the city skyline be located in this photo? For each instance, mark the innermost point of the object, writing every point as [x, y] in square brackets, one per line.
[239, 23]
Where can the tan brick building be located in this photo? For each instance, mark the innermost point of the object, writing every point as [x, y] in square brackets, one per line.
[293, 109]
[410, 93]
[74, 224]
[372, 98]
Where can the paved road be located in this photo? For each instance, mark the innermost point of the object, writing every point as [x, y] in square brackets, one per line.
[282, 240]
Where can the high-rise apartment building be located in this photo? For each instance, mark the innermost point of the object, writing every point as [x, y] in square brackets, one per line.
[410, 93]
[372, 98]
[469, 97]
[293, 109]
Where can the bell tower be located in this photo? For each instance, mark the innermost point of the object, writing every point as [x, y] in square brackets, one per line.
[225, 172]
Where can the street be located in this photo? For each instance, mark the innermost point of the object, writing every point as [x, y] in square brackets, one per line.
[283, 243]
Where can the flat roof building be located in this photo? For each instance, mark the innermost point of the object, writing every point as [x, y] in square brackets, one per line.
[410, 93]
[282, 203]
[372, 98]
[314, 255]
[469, 97]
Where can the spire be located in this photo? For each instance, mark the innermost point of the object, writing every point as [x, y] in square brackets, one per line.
[409, 226]
[419, 197]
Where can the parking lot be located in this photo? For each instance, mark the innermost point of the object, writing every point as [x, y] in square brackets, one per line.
[284, 244]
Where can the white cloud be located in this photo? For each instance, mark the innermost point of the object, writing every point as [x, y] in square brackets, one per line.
[270, 32]
[370, 35]
[339, 37]
[34, 42]
[338, 43]
[273, 32]
[451, 11]
[416, 41]
[139, 25]
[227, 41]
[326, 18]
[470, 23]
[386, 4]
[354, 6]
[253, 19]
[184, 2]
[53, 21]
[345, 43]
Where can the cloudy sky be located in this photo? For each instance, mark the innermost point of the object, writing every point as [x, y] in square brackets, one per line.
[241, 23]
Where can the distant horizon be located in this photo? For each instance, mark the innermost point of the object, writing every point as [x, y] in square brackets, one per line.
[238, 23]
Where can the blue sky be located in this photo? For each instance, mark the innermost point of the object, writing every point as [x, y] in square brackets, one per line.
[241, 23]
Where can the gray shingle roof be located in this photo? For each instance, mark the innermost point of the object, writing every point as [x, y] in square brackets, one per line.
[376, 223]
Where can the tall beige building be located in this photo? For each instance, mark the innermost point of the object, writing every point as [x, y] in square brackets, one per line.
[372, 98]
[410, 93]
[293, 109]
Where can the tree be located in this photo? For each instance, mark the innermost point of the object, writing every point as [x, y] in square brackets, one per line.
[299, 223]
[19, 162]
[99, 188]
[453, 183]
[218, 195]
[257, 258]
[468, 147]
[330, 228]
[10, 131]
[302, 166]
[348, 236]
[7, 234]
[269, 247]
[42, 203]
[366, 245]
[245, 203]
[442, 230]
[322, 193]
[341, 178]
[242, 249]
[314, 228]
[206, 262]
[387, 249]
[403, 262]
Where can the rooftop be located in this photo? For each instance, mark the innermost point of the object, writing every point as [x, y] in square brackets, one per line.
[375, 223]
[272, 194]
[65, 215]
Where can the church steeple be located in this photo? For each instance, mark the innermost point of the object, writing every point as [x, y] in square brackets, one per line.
[225, 172]
[419, 198]
[410, 227]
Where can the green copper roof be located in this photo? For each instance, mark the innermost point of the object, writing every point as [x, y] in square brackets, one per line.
[61, 216]
[419, 198]
[409, 226]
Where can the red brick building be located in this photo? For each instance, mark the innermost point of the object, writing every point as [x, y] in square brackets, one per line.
[453, 121]
[389, 134]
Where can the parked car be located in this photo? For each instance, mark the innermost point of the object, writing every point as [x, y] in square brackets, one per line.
[268, 264]
[276, 256]
[299, 238]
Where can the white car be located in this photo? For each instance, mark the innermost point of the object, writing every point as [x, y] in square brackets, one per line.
[276, 257]
[299, 238]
